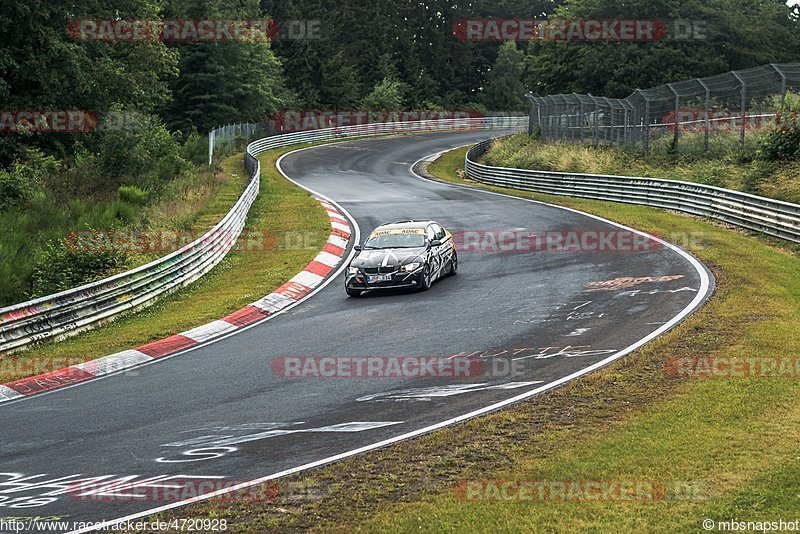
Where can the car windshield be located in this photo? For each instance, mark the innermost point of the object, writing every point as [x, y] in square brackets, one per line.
[396, 241]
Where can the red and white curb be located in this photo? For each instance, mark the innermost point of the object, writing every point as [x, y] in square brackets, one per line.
[288, 294]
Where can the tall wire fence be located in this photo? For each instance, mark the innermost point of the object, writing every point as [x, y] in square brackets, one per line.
[223, 140]
[721, 108]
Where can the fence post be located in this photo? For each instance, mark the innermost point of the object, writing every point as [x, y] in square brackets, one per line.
[531, 111]
[677, 110]
[646, 126]
[743, 91]
[783, 82]
[613, 136]
[574, 119]
[707, 121]
[210, 146]
[594, 122]
[625, 124]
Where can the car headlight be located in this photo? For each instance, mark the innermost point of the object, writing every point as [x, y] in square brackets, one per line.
[408, 267]
[352, 270]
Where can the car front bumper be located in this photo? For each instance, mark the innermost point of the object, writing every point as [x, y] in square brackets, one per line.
[398, 280]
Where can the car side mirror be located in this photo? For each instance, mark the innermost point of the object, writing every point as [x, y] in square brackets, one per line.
[357, 248]
[435, 243]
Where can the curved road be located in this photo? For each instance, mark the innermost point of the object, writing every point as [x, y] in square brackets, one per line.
[219, 411]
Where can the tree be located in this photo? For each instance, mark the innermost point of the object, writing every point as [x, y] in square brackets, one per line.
[504, 90]
[736, 34]
[338, 88]
[386, 95]
[42, 67]
[223, 82]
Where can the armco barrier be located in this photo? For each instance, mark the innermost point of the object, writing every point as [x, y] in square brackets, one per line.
[73, 310]
[765, 215]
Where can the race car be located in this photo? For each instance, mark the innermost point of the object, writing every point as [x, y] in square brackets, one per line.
[402, 254]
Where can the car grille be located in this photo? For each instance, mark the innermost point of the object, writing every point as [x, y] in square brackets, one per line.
[379, 270]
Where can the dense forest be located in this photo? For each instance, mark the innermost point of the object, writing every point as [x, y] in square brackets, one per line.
[153, 100]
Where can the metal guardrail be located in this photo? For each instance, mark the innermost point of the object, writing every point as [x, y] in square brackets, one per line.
[79, 308]
[765, 215]
[384, 128]
[73, 310]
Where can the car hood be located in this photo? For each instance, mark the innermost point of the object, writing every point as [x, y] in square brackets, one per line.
[390, 257]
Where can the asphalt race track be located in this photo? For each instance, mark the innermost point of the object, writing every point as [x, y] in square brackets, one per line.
[220, 411]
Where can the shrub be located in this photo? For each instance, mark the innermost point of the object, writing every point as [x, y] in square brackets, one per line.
[783, 141]
[25, 180]
[60, 267]
[132, 195]
[143, 153]
[195, 148]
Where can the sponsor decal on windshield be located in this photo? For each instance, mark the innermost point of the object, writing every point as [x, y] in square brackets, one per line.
[418, 231]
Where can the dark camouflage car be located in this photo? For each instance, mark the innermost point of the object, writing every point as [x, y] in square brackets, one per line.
[403, 254]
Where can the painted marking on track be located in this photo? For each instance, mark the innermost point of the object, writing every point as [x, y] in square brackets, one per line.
[426, 394]
[629, 281]
[577, 332]
[243, 427]
[634, 292]
[569, 351]
[212, 446]
[20, 491]
[273, 430]
[307, 279]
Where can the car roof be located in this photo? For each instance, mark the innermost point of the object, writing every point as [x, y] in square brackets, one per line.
[405, 224]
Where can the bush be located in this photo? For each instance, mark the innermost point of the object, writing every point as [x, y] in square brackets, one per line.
[387, 94]
[143, 153]
[195, 148]
[783, 142]
[25, 180]
[59, 267]
[132, 195]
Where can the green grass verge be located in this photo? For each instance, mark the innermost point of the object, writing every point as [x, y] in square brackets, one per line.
[281, 208]
[724, 165]
[733, 440]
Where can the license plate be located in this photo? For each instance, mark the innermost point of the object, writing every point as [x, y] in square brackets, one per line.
[379, 278]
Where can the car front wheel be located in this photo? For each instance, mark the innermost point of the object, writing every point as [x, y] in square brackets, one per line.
[453, 265]
[425, 279]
